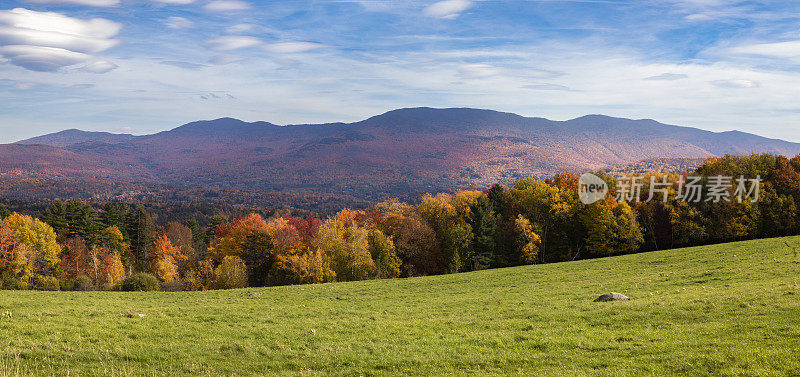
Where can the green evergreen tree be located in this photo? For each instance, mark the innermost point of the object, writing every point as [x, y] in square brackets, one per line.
[484, 231]
[83, 222]
[198, 237]
[258, 255]
[142, 235]
[56, 217]
[116, 214]
[211, 230]
[4, 212]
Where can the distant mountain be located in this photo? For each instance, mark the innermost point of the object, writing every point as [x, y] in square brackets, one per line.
[73, 136]
[404, 151]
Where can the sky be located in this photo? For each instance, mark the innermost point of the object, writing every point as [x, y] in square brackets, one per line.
[143, 66]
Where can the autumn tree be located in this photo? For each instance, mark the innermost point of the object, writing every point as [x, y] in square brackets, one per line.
[447, 216]
[346, 244]
[34, 250]
[383, 253]
[527, 241]
[231, 273]
[165, 259]
[182, 237]
[416, 244]
[76, 260]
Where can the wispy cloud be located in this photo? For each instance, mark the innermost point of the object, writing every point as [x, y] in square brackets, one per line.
[291, 47]
[668, 77]
[232, 42]
[176, 2]
[91, 3]
[227, 6]
[184, 65]
[178, 22]
[100, 67]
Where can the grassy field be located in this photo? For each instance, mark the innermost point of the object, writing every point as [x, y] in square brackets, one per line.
[730, 309]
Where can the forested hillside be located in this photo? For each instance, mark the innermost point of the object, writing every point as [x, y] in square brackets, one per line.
[399, 153]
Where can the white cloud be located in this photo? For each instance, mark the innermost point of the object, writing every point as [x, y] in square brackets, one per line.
[91, 3]
[472, 71]
[42, 59]
[698, 17]
[26, 85]
[47, 41]
[232, 42]
[100, 67]
[790, 49]
[448, 9]
[178, 23]
[227, 6]
[176, 2]
[291, 47]
[81, 86]
[240, 28]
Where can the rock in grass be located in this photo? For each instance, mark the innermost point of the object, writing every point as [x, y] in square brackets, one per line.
[612, 296]
[132, 314]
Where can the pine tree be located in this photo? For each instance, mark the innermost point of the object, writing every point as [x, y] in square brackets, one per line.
[56, 217]
[4, 212]
[484, 231]
[258, 255]
[83, 222]
[115, 214]
[142, 234]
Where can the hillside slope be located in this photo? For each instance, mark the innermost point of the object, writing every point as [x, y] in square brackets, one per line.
[400, 152]
[728, 309]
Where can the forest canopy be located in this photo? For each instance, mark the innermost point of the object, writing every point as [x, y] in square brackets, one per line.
[77, 246]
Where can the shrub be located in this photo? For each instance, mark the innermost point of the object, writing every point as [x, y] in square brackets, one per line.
[174, 285]
[140, 282]
[11, 282]
[46, 283]
[81, 283]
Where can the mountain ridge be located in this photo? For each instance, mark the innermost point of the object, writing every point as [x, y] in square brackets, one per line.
[227, 121]
[403, 151]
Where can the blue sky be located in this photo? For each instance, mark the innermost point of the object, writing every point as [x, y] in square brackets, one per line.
[142, 66]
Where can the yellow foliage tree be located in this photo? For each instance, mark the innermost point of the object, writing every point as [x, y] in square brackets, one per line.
[346, 244]
[231, 273]
[529, 240]
[33, 247]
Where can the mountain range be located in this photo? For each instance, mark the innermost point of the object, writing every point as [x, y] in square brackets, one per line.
[403, 151]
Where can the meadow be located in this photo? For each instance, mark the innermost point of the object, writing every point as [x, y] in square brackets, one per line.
[728, 309]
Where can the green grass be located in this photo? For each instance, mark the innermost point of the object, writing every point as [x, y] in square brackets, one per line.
[730, 309]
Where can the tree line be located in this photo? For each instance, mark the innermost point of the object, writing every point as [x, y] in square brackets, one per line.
[72, 245]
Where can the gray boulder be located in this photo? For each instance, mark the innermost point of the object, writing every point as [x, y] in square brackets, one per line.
[612, 296]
